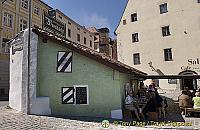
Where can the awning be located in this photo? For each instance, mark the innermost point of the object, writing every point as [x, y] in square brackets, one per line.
[170, 77]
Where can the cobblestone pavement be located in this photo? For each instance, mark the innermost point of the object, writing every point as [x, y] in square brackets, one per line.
[13, 120]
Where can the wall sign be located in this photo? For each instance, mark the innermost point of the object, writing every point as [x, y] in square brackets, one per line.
[64, 62]
[54, 26]
[192, 64]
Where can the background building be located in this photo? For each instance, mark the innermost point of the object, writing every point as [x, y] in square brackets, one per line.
[103, 43]
[15, 18]
[161, 37]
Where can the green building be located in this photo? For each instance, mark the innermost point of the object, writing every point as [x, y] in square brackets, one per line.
[65, 78]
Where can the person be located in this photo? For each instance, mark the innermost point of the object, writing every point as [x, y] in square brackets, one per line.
[131, 104]
[196, 100]
[193, 93]
[151, 106]
[188, 92]
[160, 104]
[184, 100]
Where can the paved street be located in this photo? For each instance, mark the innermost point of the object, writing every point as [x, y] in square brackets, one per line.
[13, 120]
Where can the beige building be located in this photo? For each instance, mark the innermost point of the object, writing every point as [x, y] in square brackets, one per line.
[75, 32]
[14, 18]
[162, 37]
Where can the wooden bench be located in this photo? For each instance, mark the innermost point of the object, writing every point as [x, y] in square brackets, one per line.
[189, 110]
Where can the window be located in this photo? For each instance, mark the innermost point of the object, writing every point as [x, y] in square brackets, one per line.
[134, 17]
[24, 4]
[85, 40]
[163, 8]
[136, 59]
[198, 1]
[78, 94]
[78, 29]
[168, 54]
[7, 20]
[64, 61]
[37, 10]
[69, 33]
[60, 17]
[165, 31]
[124, 22]
[23, 24]
[90, 43]
[78, 37]
[135, 37]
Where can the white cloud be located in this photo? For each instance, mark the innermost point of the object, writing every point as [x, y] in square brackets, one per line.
[94, 19]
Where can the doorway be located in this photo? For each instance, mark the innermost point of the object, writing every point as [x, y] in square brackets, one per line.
[190, 83]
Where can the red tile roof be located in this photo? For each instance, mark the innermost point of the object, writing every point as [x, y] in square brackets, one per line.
[101, 58]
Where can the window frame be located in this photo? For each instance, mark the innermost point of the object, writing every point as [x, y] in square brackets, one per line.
[90, 43]
[7, 19]
[87, 89]
[21, 19]
[124, 22]
[138, 59]
[69, 32]
[163, 8]
[85, 40]
[135, 37]
[168, 56]
[37, 10]
[78, 37]
[24, 4]
[165, 31]
[134, 17]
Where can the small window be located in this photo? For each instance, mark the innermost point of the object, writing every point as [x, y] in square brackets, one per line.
[136, 59]
[134, 17]
[69, 23]
[60, 17]
[90, 43]
[24, 4]
[37, 10]
[23, 24]
[8, 20]
[124, 22]
[64, 61]
[168, 54]
[78, 37]
[135, 37]
[165, 31]
[81, 95]
[78, 94]
[198, 1]
[69, 32]
[163, 8]
[85, 40]
[78, 29]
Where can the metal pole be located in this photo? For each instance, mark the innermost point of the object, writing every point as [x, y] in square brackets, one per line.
[29, 42]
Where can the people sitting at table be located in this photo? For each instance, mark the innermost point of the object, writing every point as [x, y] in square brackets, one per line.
[131, 104]
[188, 92]
[196, 100]
[184, 100]
[160, 104]
[193, 93]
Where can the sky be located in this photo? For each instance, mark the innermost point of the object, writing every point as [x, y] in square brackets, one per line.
[98, 13]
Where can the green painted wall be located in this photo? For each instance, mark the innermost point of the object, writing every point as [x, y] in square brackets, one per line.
[106, 91]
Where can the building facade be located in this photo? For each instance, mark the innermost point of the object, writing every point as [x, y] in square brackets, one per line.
[103, 43]
[161, 37]
[69, 83]
[14, 18]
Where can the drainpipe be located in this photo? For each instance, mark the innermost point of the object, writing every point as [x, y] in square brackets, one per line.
[29, 42]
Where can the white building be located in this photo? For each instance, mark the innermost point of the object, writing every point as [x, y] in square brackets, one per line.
[161, 37]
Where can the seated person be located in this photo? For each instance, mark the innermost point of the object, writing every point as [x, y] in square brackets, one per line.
[131, 104]
[184, 100]
[196, 100]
